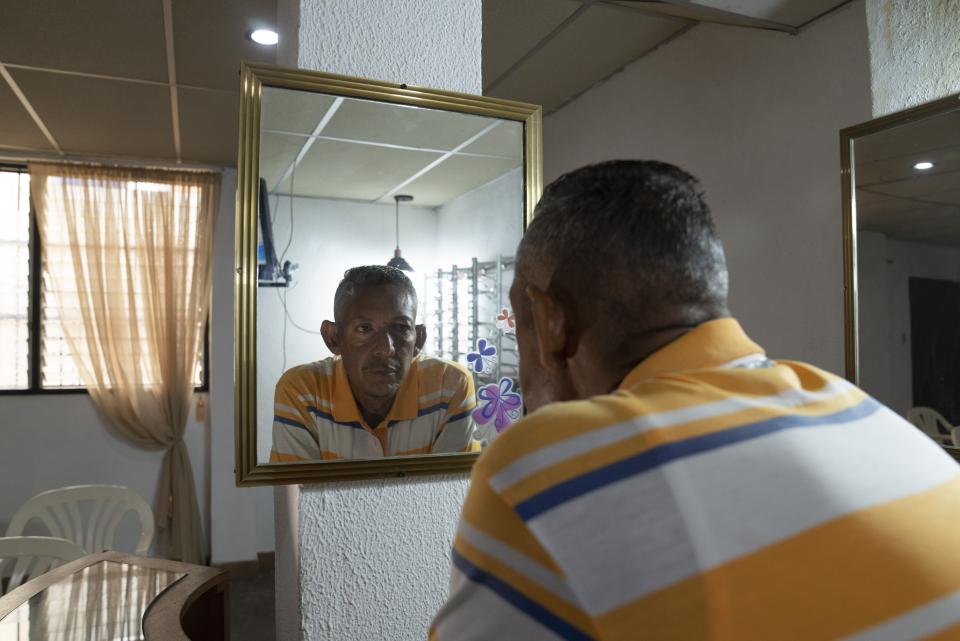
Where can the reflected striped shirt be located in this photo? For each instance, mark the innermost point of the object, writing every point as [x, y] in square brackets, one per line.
[715, 495]
[316, 416]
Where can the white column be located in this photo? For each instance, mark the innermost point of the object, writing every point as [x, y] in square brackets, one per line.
[373, 556]
[914, 52]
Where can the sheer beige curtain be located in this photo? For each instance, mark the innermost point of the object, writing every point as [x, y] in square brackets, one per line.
[127, 261]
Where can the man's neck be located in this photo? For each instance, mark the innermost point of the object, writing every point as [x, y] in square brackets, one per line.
[374, 410]
[605, 374]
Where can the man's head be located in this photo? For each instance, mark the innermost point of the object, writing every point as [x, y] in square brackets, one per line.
[620, 258]
[374, 330]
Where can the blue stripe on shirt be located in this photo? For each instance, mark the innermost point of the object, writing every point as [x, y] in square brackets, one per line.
[519, 600]
[288, 421]
[329, 417]
[433, 408]
[669, 452]
[459, 417]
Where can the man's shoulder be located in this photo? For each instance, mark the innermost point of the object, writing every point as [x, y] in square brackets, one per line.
[442, 369]
[550, 426]
[309, 374]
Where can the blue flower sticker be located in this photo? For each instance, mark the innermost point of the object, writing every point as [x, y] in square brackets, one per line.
[484, 359]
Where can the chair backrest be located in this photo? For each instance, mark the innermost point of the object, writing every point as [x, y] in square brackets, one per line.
[24, 557]
[932, 423]
[92, 528]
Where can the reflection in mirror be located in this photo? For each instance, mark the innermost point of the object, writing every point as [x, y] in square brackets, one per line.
[392, 368]
[907, 201]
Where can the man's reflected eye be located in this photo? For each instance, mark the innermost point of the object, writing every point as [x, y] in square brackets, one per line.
[400, 328]
[364, 328]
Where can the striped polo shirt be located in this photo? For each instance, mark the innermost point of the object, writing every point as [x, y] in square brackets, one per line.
[715, 495]
[316, 416]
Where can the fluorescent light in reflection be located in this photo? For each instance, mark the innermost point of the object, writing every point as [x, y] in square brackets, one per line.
[264, 37]
[924, 165]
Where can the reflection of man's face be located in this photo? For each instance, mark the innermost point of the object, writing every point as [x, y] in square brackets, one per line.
[377, 339]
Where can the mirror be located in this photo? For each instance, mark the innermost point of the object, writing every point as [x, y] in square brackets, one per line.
[421, 196]
[902, 263]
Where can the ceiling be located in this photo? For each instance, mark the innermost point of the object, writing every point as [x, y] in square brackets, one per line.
[330, 147]
[905, 203]
[157, 79]
[149, 79]
[550, 51]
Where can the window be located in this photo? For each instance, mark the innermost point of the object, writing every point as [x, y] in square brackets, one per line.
[36, 355]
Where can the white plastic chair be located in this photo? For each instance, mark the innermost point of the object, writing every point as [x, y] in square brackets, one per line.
[24, 557]
[932, 423]
[93, 530]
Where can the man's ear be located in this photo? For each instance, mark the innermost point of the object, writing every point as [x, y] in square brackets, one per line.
[421, 338]
[550, 327]
[328, 330]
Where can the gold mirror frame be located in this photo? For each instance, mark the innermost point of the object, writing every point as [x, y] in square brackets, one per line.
[847, 160]
[848, 135]
[252, 80]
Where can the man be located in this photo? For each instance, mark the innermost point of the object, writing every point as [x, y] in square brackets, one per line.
[377, 396]
[671, 482]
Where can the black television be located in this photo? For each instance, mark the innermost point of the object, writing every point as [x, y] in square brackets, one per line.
[270, 273]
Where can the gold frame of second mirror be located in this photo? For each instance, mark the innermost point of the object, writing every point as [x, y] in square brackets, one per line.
[252, 80]
[849, 135]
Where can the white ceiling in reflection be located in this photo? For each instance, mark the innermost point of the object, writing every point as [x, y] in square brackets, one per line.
[902, 202]
[324, 146]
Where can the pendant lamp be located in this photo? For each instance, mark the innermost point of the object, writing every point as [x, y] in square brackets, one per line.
[398, 260]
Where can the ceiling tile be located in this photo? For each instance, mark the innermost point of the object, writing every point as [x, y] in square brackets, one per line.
[932, 187]
[92, 115]
[111, 37]
[506, 139]
[393, 124]
[900, 168]
[333, 169]
[291, 110]
[929, 225]
[561, 70]
[17, 128]
[512, 28]
[277, 151]
[209, 122]
[455, 176]
[792, 12]
[210, 39]
[936, 134]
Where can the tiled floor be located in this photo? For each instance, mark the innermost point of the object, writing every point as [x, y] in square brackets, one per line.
[251, 607]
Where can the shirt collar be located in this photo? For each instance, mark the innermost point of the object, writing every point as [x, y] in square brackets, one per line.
[405, 405]
[708, 345]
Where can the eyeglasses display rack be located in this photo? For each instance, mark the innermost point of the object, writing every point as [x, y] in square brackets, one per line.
[461, 307]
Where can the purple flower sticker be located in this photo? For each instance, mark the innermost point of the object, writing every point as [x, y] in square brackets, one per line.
[484, 359]
[498, 404]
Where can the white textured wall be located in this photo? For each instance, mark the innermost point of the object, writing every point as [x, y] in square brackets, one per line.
[914, 52]
[431, 43]
[374, 555]
[755, 115]
[380, 570]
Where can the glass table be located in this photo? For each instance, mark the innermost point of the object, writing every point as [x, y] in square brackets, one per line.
[118, 597]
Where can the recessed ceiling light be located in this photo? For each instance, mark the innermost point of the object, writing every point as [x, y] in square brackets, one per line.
[264, 37]
[922, 166]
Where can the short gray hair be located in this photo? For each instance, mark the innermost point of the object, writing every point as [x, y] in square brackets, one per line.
[369, 275]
